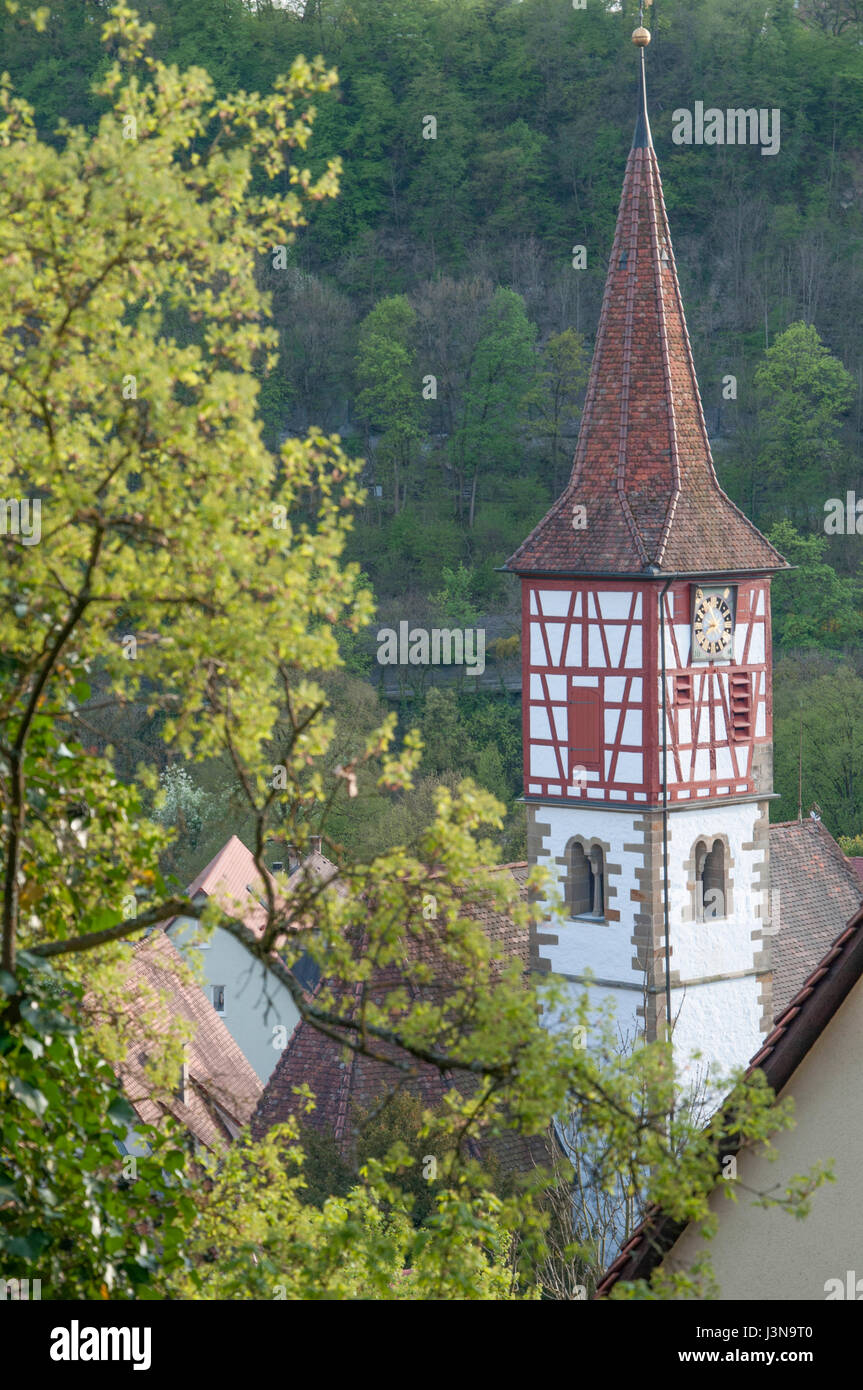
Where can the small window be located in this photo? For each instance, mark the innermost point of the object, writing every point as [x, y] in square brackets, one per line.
[683, 689]
[219, 998]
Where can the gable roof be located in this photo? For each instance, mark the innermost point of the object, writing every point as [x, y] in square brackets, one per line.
[222, 1089]
[818, 893]
[796, 1030]
[344, 1081]
[232, 878]
[643, 467]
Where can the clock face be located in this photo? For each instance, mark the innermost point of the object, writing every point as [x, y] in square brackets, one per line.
[712, 623]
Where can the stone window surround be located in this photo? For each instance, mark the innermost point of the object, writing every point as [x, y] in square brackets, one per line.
[709, 840]
[587, 843]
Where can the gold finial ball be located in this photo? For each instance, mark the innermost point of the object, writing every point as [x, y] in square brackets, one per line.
[641, 36]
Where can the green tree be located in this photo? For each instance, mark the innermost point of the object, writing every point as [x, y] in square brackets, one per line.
[803, 393]
[490, 772]
[181, 802]
[274, 1245]
[812, 605]
[501, 378]
[445, 741]
[455, 600]
[389, 396]
[76, 1212]
[826, 711]
[565, 366]
[852, 845]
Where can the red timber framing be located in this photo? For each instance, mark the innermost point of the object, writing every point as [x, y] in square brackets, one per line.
[592, 690]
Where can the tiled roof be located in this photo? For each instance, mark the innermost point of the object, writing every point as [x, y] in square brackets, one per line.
[232, 878]
[818, 893]
[796, 1030]
[222, 1089]
[316, 865]
[344, 1082]
[643, 468]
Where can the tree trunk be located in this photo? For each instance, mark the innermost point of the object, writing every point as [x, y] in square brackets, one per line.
[472, 499]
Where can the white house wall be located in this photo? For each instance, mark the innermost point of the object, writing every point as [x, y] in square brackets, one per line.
[766, 1255]
[255, 1002]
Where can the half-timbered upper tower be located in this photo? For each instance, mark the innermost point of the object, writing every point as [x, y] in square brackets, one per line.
[647, 677]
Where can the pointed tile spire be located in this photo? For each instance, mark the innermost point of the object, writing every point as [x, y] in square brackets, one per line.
[643, 472]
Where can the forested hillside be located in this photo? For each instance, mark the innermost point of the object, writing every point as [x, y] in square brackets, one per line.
[440, 312]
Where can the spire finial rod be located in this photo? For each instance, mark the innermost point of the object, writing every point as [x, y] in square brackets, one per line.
[641, 38]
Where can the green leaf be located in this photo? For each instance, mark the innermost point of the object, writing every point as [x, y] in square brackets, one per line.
[9, 1193]
[27, 1247]
[28, 1095]
[121, 1112]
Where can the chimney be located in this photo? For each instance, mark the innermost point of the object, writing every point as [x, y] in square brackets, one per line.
[315, 842]
[293, 859]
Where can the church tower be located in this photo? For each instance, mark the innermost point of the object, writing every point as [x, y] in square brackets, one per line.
[646, 679]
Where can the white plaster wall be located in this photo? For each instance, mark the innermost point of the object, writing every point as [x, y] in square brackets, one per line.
[721, 1022]
[766, 1255]
[603, 947]
[617, 1006]
[721, 1019]
[720, 945]
[255, 1001]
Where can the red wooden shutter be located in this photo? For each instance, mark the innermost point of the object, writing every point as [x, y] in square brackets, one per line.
[585, 736]
[741, 708]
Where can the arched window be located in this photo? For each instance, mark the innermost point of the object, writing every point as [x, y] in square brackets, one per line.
[597, 882]
[580, 882]
[587, 882]
[710, 886]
